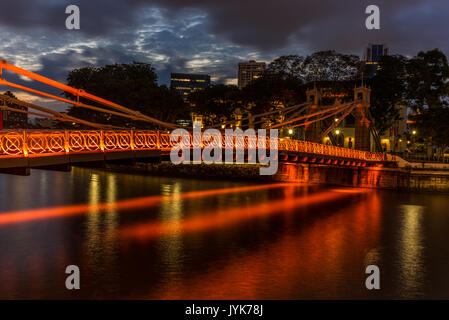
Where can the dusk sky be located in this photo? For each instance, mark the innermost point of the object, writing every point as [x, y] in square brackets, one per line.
[206, 36]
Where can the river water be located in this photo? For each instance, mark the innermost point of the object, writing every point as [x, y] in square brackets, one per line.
[143, 237]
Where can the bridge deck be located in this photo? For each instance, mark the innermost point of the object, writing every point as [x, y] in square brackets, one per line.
[40, 148]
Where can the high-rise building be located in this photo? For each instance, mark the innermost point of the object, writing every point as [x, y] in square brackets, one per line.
[373, 55]
[184, 83]
[249, 71]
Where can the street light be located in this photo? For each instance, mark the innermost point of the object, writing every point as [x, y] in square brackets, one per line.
[414, 132]
[337, 131]
[290, 131]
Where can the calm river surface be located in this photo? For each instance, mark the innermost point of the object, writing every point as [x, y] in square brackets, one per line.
[142, 237]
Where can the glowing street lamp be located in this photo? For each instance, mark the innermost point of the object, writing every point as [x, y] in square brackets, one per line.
[414, 132]
[337, 131]
[290, 131]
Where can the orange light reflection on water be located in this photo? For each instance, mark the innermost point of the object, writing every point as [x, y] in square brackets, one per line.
[225, 217]
[8, 218]
[311, 263]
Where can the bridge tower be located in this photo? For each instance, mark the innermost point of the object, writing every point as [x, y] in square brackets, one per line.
[362, 123]
[313, 130]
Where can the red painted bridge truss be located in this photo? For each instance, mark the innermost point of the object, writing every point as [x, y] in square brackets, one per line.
[14, 144]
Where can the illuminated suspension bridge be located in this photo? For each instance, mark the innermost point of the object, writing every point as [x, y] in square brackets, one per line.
[29, 148]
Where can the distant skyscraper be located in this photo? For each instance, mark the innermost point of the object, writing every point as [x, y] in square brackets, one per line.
[249, 71]
[184, 83]
[373, 55]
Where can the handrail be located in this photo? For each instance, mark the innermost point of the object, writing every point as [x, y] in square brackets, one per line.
[33, 143]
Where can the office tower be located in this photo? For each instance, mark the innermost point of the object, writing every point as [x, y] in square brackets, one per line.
[249, 71]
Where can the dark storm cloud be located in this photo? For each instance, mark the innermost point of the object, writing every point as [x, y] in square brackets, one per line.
[98, 16]
[267, 25]
[206, 35]
[271, 25]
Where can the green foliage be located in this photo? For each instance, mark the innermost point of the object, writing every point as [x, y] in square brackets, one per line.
[388, 91]
[216, 102]
[331, 66]
[272, 90]
[428, 94]
[291, 66]
[428, 75]
[433, 124]
[131, 85]
[319, 66]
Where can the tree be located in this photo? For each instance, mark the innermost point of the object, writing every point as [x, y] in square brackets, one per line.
[428, 93]
[428, 73]
[388, 91]
[216, 102]
[272, 92]
[331, 66]
[291, 66]
[319, 66]
[131, 85]
[433, 124]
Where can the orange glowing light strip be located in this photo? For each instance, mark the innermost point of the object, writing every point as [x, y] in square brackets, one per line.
[8, 218]
[227, 217]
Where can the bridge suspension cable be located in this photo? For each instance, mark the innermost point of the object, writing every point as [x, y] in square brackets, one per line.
[283, 111]
[336, 123]
[51, 114]
[336, 109]
[78, 93]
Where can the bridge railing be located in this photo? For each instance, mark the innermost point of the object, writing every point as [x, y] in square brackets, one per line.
[41, 143]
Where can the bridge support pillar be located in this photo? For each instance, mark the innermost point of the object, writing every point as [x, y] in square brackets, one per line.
[362, 124]
[64, 167]
[313, 130]
[23, 171]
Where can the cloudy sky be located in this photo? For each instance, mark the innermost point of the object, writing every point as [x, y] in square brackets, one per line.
[207, 36]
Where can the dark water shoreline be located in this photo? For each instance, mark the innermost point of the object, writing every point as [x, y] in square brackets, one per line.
[402, 180]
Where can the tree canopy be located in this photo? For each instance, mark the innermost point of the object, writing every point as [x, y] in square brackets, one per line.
[319, 66]
[428, 96]
[388, 91]
[428, 75]
[131, 85]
